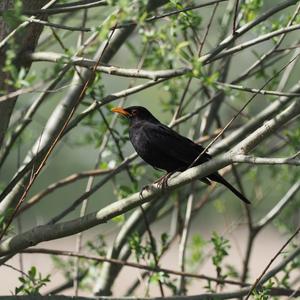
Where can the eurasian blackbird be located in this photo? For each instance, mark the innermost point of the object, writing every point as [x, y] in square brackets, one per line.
[163, 148]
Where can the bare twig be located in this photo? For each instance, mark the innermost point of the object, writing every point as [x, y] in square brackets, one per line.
[127, 263]
[261, 276]
[183, 241]
[224, 86]
[111, 70]
[235, 16]
[66, 8]
[255, 41]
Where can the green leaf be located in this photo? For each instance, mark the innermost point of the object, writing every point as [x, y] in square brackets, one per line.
[119, 219]
[32, 272]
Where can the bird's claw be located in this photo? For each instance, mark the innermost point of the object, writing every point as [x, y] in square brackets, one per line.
[162, 182]
[145, 187]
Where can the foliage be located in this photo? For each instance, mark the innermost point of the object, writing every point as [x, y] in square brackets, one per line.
[31, 283]
[14, 17]
[221, 247]
[196, 247]
[39, 103]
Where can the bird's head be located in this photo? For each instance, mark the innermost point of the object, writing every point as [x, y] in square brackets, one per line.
[135, 113]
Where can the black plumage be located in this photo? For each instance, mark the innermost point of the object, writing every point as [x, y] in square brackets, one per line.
[163, 148]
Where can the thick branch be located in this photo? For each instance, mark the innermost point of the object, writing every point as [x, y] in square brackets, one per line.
[50, 232]
[55, 231]
[256, 121]
[269, 127]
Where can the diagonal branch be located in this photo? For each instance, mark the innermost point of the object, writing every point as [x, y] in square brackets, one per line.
[266, 160]
[255, 41]
[54, 231]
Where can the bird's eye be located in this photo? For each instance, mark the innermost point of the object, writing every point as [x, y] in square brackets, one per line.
[134, 112]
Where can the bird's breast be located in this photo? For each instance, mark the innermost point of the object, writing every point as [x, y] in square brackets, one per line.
[139, 140]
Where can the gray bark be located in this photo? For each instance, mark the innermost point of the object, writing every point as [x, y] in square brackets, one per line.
[26, 40]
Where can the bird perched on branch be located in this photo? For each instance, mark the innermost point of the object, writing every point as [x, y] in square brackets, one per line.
[163, 148]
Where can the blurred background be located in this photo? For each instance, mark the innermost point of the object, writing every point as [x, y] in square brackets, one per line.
[167, 43]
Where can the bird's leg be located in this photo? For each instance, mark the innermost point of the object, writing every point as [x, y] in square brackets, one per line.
[145, 187]
[162, 182]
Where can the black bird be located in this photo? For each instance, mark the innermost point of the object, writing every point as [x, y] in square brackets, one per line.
[163, 148]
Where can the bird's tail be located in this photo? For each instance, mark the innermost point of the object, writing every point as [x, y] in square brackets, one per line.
[218, 178]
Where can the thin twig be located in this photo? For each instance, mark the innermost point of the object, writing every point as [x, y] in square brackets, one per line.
[200, 48]
[235, 16]
[256, 283]
[129, 264]
[224, 86]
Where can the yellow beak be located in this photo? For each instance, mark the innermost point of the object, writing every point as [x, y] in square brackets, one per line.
[121, 111]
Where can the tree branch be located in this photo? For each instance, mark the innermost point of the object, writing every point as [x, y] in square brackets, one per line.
[255, 41]
[266, 161]
[50, 232]
[225, 86]
[271, 215]
[111, 70]
[54, 231]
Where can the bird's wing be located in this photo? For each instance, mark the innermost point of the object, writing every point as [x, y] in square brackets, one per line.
[174, 145]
